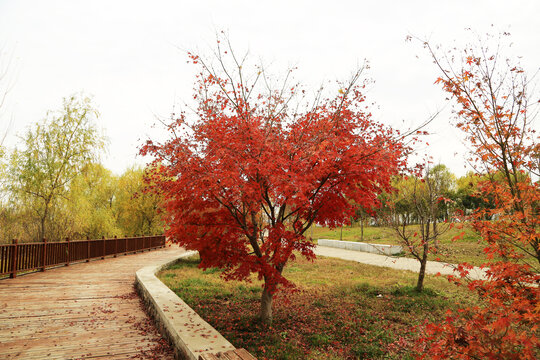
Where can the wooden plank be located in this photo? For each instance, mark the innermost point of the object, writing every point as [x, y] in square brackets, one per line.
[86, 310]
[244, 354]
[208, 357]
[232, 355]
[237, 354]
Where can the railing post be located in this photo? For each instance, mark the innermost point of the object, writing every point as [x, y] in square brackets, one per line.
[87, 249]
[14, 259]
[103, 253]
[44, 255]
[67, 250]
[115, 245]
[125, 245]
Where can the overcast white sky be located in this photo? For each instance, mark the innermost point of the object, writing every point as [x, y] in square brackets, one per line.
[126, 54]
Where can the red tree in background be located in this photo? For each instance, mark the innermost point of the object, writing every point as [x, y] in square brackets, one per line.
[495, 110]
[248, 173]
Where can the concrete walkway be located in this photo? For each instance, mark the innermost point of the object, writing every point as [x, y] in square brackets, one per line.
[401, 263]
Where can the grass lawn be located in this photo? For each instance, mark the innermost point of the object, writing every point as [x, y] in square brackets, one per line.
[342, 309]
[468, 249]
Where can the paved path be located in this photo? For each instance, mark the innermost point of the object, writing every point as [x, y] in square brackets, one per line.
[87, 310]
[401, 263]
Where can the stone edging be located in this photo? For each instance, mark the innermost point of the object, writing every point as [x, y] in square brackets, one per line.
[188, 333]
[380, 249]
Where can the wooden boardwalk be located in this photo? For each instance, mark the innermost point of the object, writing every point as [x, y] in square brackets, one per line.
[84, 311]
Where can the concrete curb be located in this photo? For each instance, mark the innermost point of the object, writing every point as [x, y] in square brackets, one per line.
[188, 333]
[380, 249]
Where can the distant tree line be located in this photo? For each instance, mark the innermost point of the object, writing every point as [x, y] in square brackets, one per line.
[54, 186]
[451, 196]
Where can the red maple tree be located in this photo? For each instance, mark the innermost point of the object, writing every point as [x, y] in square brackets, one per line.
[247, 173]
[494, 109]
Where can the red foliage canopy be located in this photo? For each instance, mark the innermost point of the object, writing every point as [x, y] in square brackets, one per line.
[246, 178]
[492, 104]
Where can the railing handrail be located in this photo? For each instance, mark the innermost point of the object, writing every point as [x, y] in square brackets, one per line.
[19, 257]
[79, 240]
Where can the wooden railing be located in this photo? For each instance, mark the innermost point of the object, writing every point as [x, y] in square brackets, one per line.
[24, 257]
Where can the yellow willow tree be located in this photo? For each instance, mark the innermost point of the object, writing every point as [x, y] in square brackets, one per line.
[91, 203]
[54, 153]
[137, 210]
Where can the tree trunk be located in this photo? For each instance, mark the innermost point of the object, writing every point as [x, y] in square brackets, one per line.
[422, 273]
[266, 306]
[361, 229]
[536, 244]
[43, 219]
[436, 241]
[203, 254]
[41, 230]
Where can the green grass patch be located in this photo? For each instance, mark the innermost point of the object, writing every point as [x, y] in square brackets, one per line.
[340, 309]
